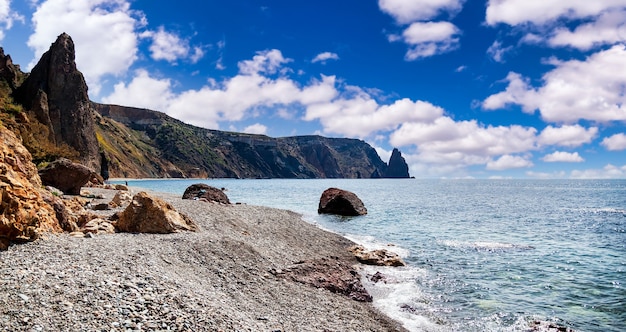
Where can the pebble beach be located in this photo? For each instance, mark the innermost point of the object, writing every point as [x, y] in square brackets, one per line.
[228, 276]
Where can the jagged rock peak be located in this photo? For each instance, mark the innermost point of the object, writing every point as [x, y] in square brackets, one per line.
[8, 70]
[56, 93]
[397, 167]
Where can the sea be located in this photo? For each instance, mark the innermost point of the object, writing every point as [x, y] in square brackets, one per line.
[482, 255]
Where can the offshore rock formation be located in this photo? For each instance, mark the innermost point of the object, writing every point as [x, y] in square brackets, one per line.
[23, 213]
[341, 202]
[397, 167]
[56, 92]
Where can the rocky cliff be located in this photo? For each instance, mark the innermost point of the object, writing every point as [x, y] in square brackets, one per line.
[56, 93]
[24, 214]
[188, 151]
[397, 167]
[55, 118]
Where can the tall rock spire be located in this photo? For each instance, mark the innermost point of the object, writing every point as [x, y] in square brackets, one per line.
[397, 167]
[57, 93]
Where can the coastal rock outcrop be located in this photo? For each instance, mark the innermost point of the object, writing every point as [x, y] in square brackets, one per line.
[397, 168]
[24, 214]
[202, 191]
[341, 202]
[329, 274]
[147, 214]
[68, 176]
[56, 92]
[380, 257]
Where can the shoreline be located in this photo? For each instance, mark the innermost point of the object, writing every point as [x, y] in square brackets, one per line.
[233, 274]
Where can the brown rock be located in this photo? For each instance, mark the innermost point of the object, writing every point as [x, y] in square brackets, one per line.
[203, 191]
[121, 187]
[98, 226]
[66, 217]
[67, 176]
[101, 207]
[24, 214]
[148, 214]
[328, 273]
[341, 202]
[121, 198]
[380, 257]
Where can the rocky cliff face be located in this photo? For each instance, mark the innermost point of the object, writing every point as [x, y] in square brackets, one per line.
[123, 141]
[56, 93]
[397, 167]
[188, 151]
[9, 72]
[24, 214]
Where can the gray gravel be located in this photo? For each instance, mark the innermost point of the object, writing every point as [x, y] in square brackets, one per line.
[217, 279]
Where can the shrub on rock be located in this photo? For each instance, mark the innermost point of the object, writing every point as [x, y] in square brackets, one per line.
[341, 202]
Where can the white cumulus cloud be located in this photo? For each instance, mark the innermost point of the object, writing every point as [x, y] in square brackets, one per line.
[7, 17]
[424, 37]
[508, 162]
[567, 135]
[607, 172]
[171, 47]
[256, 128]
[496, 51]
[575, 90]
[561, 156]
[407, 11]
[430, 38]
[325, 56]
[616, 142]
[608, 29]
[516, 12]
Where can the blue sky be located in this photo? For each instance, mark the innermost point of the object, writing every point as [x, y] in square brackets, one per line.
[464, 88]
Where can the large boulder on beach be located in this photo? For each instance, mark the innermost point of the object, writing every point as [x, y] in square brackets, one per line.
[341, 202]
[379, 257]
[147, 214]
[68, 176]
[201, 191]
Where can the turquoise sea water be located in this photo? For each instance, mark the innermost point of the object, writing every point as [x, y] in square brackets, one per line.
[483, 255]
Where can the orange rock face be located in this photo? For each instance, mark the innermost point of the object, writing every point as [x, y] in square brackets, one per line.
[23, 213]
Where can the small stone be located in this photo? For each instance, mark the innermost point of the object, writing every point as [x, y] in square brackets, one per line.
[77, 234]
[24, 297]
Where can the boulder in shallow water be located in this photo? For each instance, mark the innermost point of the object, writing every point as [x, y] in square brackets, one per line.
[201, 191]
[341, 202]
[380, 257]
[147, 214]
